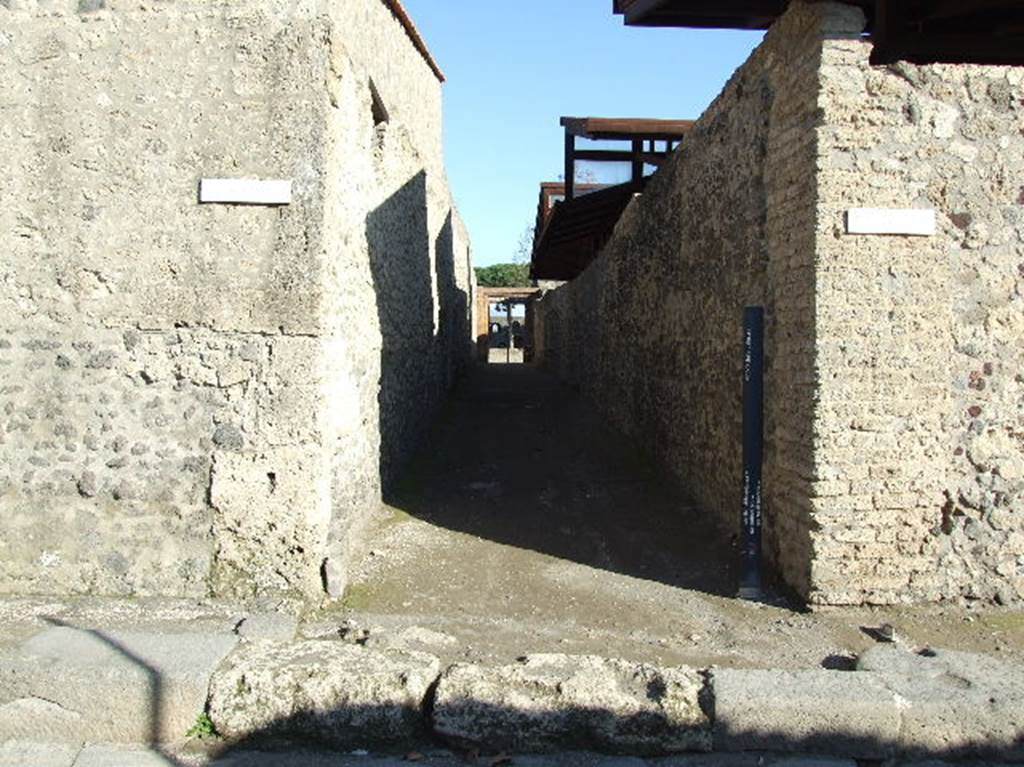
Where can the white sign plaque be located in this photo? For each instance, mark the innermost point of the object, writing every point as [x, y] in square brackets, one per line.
[911, 221]
[245, 191]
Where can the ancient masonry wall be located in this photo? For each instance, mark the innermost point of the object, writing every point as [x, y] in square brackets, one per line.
[894, 403]
[920, 429]
[191, 395]
[652, 331]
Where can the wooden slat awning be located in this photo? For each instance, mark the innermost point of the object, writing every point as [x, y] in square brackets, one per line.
[641, 135]
[577, 229]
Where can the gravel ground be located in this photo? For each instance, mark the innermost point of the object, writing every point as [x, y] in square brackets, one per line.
[526, 525]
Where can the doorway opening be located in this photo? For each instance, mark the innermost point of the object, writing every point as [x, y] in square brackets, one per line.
[505, 324]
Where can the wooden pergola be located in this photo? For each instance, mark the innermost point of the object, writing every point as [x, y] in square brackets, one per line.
[919, 31]
[577, 229]
[574, 221]
[642, 135]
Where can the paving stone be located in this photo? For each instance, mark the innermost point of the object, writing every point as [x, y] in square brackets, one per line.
[561, 701]
[301, 758]
[275, 625]
[575, 759]
[70, 685]
[327, 691]
[838, 713]
[953, 704]
[752, 759]
[15, 753]
[957, 763]
[124, 756]
[711, 760]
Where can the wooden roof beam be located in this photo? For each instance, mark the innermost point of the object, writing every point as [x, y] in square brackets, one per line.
[626, 128]
[726, 14]
[635, 11]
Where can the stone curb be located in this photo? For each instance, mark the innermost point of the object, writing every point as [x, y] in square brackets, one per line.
[71, 686]
[547, 702]
[834, 712]
[896, 704]
[343, 695]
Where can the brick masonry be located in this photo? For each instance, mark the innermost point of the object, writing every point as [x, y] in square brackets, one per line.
[894, 464]
[206, 399]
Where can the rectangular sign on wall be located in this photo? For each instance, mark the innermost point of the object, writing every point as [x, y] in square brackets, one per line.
[245, 191]
[907, 221]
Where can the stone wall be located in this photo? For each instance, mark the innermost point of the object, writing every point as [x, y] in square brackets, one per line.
[894, 463]
[652, 331]
[190, 395]
[920, 430]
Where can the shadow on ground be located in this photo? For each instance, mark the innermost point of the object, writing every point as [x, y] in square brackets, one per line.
[521, 460]
[581, 735]
[156, 692]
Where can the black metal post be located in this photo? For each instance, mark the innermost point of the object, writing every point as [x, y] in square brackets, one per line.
[637, 171]
[570, 165]
[753, 450]
[508, 319]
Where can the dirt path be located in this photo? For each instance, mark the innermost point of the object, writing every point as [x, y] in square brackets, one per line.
[525, 525]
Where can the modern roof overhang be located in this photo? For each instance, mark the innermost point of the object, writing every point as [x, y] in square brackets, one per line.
[920, 31]
[947, 31]
[715, 14]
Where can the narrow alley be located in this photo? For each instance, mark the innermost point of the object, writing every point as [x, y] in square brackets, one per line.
[526, 525]
[547, 384]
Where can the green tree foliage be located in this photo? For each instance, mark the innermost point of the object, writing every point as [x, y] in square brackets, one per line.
[503, 276]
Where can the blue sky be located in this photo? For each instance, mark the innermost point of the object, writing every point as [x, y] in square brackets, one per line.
[514, 68]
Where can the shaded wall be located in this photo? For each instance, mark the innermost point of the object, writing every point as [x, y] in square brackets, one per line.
[894, 465]
[652, 330]
[188, 394]
[403, 285]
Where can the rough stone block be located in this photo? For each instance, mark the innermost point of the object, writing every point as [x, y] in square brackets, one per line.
[270, 520]
[953, 704]
[340, 694]
[556, 701]
[833, 712]
[71, 685]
